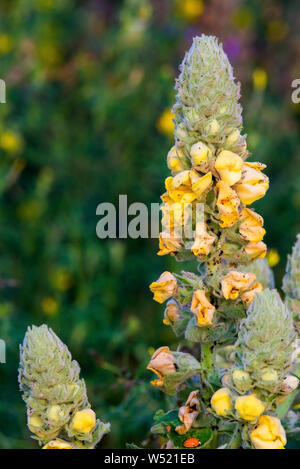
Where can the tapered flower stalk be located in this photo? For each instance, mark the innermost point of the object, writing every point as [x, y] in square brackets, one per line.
[58, 412]
[231, 390]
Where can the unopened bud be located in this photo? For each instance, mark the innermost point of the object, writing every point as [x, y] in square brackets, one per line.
[213, 127]
[269, 377]
[199, 153]
[241, 379]
[233, 138]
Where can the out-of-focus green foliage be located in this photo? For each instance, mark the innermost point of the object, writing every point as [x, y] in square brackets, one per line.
[89, 88]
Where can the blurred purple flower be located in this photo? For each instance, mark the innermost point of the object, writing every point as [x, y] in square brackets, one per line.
[232, 47]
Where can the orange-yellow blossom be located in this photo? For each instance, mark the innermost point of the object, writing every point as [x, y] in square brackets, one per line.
[269, 434]
[247, 297]
[203, 241]
[202, 308]
[165, 287]
[256, 250]
[254, 184]
[162, 363]
[228, 205]
[229, 166]
[251, 227]
[236, 282]
[188, 413]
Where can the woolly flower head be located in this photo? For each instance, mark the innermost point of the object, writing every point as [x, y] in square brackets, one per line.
[53, 390]
[207, 100]
[267, 338]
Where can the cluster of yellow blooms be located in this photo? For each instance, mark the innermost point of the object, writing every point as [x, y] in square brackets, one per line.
[243, 364]
[232, 183]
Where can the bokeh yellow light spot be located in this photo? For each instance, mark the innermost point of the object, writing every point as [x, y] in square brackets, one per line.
[6, 44]
[49, 306]
[260, 79]
[165, 124]
[11, 142]
[273, 257]
[277, 30]
[190, 10]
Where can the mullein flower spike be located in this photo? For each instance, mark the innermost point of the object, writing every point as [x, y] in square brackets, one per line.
[246, 333]
[58, 411]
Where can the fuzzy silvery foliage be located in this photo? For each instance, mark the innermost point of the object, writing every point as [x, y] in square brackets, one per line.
[52, 389]
[291, 280]
[207, 92]
[267, 337]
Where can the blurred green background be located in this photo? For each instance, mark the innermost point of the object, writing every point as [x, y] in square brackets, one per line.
[90, 86]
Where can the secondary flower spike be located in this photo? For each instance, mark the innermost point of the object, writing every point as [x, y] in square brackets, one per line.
[58, 411]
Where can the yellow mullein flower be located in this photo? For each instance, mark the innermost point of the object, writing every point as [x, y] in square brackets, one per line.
[228, 205]
[176, 160]
[269, 434]
[221, 402]
[168, 244]
[173, 215]
[188, 413]
[171, 313]
[236, 282]
[253, 185]
[165, 287]
[179, 188]
[84, 421]
[203, 241]
[200, 184]
[256, 250]
[200, 153]
[11, 142]
[251, 227]
[165, 123]
[202, 308]
[6, 44]
[247, 297]
[273, 257]
[162, 363]
[57, 444]
[229, 166]
[260, 79]
[249, 407]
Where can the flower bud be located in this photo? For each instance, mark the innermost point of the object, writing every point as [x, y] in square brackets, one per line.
[241, 380]
[199, 153]
[290, 383]
[176, 160]
[249, 407]
[84, 421]
[213, 127]
[268, 378]
[55, 413]
[221, 402]
[233, 138]
[269, 434]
